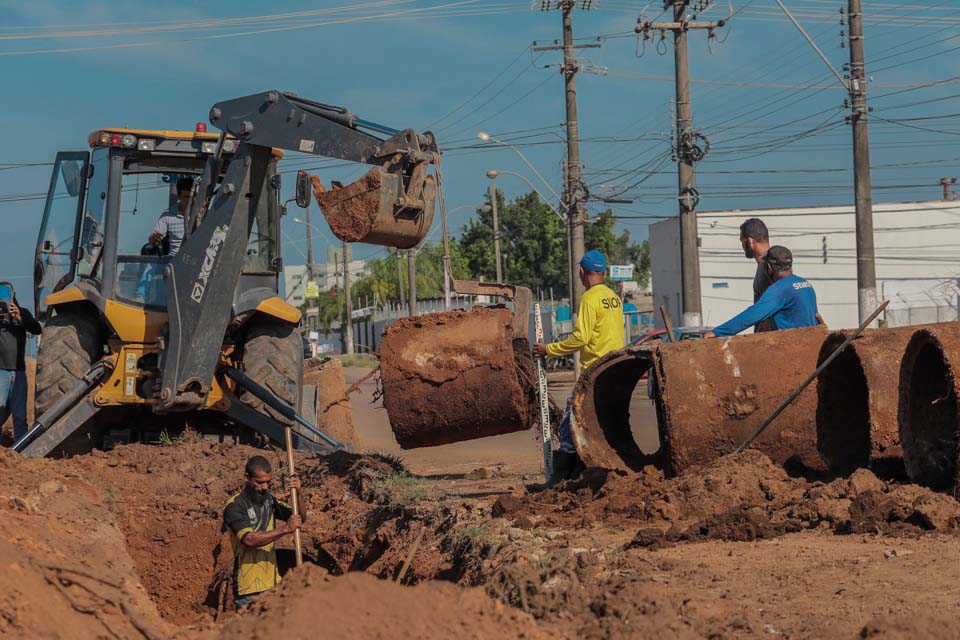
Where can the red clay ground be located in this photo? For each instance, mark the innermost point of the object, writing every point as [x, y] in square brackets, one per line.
[128, 544]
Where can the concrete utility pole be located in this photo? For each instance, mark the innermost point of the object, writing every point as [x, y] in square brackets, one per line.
[573, 190]
[687, 151]
[866, 267]
[948, 188]
[348, 307]
[400, 287]
[412, 276]
[496, 223]
[311, 322]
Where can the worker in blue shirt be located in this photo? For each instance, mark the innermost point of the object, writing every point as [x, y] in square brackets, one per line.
[790, 301]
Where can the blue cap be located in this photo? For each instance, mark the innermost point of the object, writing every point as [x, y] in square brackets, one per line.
[594, 261]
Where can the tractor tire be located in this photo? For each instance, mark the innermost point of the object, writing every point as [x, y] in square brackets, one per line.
[69, 345]
[273, 358]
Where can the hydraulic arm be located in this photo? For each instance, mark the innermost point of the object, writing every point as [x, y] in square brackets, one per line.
[201, 278]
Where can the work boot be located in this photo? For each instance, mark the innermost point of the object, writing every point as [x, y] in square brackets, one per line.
[566, 466]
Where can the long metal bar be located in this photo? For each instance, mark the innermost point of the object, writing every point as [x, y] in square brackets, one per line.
[294, 496]
[285, 410]
[813, 376]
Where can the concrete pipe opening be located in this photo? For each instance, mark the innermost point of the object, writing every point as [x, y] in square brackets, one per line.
[614, 423]
[928, 412]
[843, 411]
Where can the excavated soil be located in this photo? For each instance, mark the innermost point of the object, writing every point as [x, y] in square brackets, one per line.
[351, 211]
[128, 544]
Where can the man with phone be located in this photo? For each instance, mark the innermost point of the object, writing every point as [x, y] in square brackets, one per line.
[15, 324]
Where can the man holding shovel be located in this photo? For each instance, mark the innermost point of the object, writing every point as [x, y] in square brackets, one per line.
[599, 331]
[251, 516]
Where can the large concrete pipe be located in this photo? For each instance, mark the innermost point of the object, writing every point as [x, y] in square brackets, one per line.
[713, 394]
[857, 397]
[456, 375]
[607, 395]
[928, 408]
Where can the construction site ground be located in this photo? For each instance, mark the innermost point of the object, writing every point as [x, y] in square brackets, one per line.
[129, 544]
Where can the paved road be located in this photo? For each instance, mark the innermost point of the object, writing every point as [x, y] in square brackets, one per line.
[518, 453]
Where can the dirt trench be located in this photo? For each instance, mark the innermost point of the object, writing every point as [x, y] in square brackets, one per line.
[129, 543]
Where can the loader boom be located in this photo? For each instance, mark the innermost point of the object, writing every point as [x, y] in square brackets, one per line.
[201, 278]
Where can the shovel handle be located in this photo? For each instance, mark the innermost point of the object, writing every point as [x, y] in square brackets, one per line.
[294, 497]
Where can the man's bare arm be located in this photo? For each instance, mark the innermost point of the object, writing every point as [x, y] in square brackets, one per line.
[257, 539]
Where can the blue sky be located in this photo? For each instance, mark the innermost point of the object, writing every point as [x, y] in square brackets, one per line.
[768, 105]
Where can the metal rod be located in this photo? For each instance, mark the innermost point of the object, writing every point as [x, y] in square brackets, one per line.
[666, 323]
[813, 376]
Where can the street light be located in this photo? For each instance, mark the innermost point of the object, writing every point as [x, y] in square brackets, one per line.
[493, 173]
[486, 137]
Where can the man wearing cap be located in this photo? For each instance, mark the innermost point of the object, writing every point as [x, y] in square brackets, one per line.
[599, 330]
[790, 302]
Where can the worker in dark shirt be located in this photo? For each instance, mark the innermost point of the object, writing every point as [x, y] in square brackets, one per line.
[15, 324]
[790, 302]
[755, 240]
[251, 516]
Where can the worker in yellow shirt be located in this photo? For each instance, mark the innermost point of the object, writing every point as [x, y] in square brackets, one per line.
[599, 330]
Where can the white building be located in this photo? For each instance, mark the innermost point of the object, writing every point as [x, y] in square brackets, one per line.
[327, 274]
[917, 248]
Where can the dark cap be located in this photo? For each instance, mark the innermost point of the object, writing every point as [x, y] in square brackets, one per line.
[779, 258]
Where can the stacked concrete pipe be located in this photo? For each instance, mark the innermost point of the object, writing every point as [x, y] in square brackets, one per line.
[929, 407]
[857, 398]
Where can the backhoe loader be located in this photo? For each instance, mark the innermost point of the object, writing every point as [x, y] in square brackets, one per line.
[137, 341]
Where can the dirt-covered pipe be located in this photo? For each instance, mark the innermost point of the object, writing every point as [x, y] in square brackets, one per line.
[601, 410]
[454, 376]
[713, 394]
[857, 398]
[929, 408]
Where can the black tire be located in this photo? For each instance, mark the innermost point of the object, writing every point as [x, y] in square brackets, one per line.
[69, 345]
[273, 358]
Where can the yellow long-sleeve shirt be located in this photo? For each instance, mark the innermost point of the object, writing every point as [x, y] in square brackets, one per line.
[599, 327]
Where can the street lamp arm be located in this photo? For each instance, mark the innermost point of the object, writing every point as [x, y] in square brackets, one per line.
[546, 201]
[488, 138]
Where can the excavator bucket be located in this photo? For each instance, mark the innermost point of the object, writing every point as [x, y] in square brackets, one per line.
[384, 207]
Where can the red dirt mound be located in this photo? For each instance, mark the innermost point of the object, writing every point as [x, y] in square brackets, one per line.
[361, 607]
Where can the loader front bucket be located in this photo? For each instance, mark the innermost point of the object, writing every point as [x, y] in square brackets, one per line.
[383, 207]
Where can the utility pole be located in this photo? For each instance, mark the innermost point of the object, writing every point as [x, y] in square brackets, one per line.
[687, 151]
[311, 323]
[496, 223]
[573, 192]
[573, 189]
[400, 287]
[412, 276]
[348, 307]
[856, 85]
[866, 267]
[948, 188]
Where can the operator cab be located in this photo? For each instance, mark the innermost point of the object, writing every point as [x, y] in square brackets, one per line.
[103, 204]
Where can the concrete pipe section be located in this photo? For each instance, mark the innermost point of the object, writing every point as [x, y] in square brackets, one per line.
[928, 409]
[605, 398]
[454, 376]
[857, 397]
[710, 395]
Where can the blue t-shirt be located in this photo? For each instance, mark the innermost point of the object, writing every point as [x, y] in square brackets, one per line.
[791, 302]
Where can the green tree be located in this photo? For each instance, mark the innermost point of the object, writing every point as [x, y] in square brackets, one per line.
[532, 240]
[620, 249]
[381, 281]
